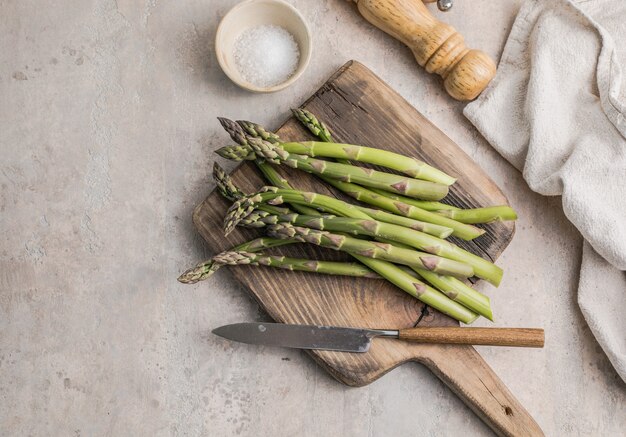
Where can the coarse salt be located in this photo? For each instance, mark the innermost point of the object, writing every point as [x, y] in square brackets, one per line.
[266, 55]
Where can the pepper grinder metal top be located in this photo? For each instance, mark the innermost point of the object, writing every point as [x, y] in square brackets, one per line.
[444, 5]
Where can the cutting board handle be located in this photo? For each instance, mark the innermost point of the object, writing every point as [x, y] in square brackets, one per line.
[437, 46]
[471, 378]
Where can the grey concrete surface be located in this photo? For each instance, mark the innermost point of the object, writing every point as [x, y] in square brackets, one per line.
[107, 127]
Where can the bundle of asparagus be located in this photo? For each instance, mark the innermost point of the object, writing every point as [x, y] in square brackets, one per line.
[402, 239]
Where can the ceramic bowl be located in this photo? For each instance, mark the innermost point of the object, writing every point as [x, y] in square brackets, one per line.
[252, 13]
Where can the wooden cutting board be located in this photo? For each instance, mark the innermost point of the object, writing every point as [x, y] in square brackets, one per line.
[360, 108]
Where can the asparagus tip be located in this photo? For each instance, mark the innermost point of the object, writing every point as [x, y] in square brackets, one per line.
[226, 123]
[185, 278]
[218, 170]
[198, 273]
[233, 129]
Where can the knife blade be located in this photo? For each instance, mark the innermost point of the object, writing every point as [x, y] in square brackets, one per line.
[359, 340]
[302, 336]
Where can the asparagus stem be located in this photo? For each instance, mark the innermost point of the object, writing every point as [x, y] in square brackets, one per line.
[345, 152]
[238, 257]
[246, 205]
[461, 230]
[456, 290]
[459, 292]
[423, 204]
[274, 152]
[409, 166]
[468, 216]
[419, 289]
[388, 270]
[387, 217]
[373, 228]
[364, 176]
[277, 180]
[205, 269]
[482, 268]
[319, 129]
[300, 264]
[481, 215]
[329, 149]
[370, 249]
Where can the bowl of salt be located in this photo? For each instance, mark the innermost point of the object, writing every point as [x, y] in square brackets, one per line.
[263, 45]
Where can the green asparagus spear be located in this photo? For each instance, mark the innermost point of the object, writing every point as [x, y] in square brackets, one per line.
[233, 258]
[392, 272]
[415, 239]
[227, 188]
[372, 249]
[244, 131]
[277, 180]
[372, 178]
[481, 215]
[419, 289]
[389, 271]
[459, 292]
[205, 269]
[461, 230]
[225, 185]
[423, 204]
[315, 126]
[456, 290]
[237, 153]
[469, 216]
[407, 165]
[367, 177]
[387, 217]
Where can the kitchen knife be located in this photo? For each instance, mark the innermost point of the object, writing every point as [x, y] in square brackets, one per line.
[359, 340]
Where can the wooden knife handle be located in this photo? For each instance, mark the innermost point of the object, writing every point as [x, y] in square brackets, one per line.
[437, 47]
[523, 337]
[465, 372]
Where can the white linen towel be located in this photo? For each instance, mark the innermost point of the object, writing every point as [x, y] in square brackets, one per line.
[556, 110]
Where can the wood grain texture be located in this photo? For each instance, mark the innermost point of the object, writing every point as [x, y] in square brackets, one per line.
[519, 337]
[360, 108]
[437, 46]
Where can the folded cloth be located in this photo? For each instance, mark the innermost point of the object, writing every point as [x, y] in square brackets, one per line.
[556, 110]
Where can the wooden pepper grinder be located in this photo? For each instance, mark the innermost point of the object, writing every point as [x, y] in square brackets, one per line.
[437, 47]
